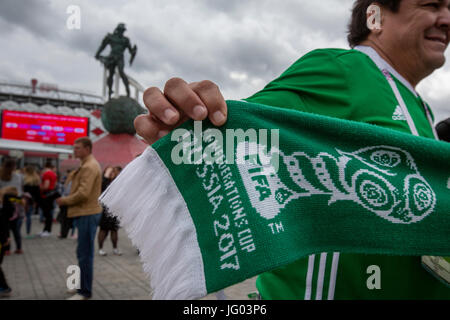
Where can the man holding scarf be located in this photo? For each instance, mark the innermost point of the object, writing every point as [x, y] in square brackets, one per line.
[395, 44]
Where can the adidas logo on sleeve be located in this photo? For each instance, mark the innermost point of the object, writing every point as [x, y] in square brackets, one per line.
[398, 114]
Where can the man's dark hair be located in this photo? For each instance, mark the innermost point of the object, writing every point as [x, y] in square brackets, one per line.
[7, 169]
[443, 130]
[49, 164]
[357, 28]
[85, 141]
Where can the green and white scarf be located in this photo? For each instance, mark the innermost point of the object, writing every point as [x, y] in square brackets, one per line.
[209, 207]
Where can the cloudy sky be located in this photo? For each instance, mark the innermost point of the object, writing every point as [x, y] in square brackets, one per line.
[240, 45]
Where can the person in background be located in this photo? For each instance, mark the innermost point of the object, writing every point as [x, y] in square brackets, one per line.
[7, 194]
[31, 183]
[106, 178]
[15, 221]
[48, 196]
[66, 223]
[39, 207]
[107, 222]
[83, 206]
[10, 178]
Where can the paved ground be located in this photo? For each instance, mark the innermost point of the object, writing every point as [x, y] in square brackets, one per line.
[40, 273]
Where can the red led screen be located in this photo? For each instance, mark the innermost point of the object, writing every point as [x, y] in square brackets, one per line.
[40, 127]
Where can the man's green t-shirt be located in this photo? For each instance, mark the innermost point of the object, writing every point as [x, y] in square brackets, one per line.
[347, 84]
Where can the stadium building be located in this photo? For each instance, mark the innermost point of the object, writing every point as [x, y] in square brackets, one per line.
[40, 121]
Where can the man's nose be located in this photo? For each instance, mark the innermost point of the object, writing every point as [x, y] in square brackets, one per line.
[444, 19]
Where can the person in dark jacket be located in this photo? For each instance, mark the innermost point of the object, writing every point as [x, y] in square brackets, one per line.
[31, 183]
[107, 222]
[66, 223]
[8, 197]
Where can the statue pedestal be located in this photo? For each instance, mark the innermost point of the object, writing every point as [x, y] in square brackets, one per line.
[118, 115]
[121, 145]
[117, 149]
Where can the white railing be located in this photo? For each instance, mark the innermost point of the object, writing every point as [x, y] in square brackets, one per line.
[50, 92]
[138, 88]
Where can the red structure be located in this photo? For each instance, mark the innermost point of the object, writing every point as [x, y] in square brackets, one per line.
[33, 85]
[117, 149]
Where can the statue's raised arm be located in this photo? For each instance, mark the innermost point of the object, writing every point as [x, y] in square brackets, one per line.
[133, 51]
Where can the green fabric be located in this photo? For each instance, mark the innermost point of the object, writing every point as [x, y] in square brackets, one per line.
[344, 84]
[347, 84]
[341, 186]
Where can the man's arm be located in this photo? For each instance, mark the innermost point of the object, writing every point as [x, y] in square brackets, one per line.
[103, 45]
[45, 185]
[318, 83]
[129, 47]
[87, 181]
[132, 51]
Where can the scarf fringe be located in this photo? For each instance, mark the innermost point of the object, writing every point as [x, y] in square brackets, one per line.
[157, 221]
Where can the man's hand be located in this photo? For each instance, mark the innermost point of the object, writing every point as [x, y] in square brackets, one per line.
[59, 201]
[179, 102]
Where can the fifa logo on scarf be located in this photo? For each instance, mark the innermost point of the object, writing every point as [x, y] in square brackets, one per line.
[385, 180]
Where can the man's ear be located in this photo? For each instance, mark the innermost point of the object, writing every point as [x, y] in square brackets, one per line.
[374, 17]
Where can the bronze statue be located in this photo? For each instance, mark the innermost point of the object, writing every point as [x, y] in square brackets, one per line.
[118, 43]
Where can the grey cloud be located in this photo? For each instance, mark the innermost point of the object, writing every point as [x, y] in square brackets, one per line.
[235, 55]
[37, 17]
[229, 6]
[47, 20]
[196, 39]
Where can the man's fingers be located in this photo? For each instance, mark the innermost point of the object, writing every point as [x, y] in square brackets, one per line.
[160, 107]
[150, 129]
[211, 96]
[179, 102]
[178, 92]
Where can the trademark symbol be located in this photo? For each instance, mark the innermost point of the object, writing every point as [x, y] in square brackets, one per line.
[276, 227]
